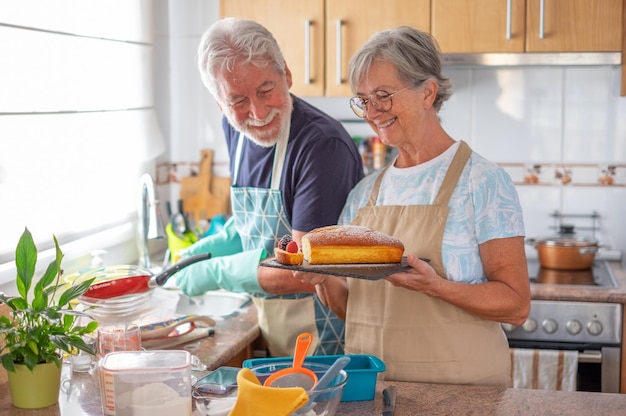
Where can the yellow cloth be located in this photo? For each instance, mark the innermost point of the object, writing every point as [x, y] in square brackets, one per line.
[253, 399]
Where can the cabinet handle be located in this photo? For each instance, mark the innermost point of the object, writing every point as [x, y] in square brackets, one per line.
[307, 52]
[508, 19]
[339, 52]
[541, 17]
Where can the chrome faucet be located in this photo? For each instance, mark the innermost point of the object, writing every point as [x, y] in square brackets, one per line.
[149, 226]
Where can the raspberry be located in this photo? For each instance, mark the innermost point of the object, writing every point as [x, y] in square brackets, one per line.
[292, 247]
[282, 243]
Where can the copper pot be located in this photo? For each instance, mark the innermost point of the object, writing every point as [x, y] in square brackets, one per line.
[566, 252]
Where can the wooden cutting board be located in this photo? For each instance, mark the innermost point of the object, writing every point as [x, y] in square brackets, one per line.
[204, 195]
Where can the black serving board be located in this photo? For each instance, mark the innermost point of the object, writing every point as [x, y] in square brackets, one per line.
[359, 271]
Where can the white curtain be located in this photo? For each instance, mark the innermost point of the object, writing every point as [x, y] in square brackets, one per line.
[77, 122]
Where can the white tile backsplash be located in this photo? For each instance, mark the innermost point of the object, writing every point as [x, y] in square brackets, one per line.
[552, 116]
[562, 118]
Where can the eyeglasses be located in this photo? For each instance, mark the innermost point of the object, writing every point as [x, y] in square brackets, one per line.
[380, 100]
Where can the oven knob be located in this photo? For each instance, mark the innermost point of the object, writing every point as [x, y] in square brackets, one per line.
[508, 327]
[530, 325]
[594, 327]
[549, 325]
[574, 326]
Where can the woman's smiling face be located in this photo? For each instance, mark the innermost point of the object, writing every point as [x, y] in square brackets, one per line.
[400, 122]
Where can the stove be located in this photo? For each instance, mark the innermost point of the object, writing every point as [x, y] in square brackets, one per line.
[573, 322]
[594, 329]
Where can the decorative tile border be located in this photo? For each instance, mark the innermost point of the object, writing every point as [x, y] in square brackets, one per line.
[567, 174]
[169, 172]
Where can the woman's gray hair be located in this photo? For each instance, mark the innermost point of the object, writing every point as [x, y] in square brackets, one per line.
[229, 42]
[414, 53]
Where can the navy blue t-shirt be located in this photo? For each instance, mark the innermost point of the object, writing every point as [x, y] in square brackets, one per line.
[322, 165]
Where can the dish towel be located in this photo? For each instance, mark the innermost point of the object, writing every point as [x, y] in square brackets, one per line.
[253, 399]
[544, 369]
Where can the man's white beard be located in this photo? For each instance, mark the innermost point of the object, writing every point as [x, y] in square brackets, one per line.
[268, 138]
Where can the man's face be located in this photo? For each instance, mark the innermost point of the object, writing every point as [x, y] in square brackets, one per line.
[256, 101]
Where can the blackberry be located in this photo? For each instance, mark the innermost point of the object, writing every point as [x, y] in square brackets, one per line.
[284, 240]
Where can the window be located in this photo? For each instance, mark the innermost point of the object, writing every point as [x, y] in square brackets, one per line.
[77, 123]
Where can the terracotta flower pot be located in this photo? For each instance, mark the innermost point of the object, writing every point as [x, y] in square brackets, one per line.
[35, 389]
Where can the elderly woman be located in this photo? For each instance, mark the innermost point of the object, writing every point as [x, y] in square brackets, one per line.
[440, 320]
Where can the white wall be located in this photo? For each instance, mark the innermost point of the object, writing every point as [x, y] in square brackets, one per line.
[530, 115]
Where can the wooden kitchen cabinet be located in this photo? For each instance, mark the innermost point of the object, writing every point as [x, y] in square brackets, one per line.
[474, 26]
[478, 26]
[298, 26]
[319, 37]
[350, 23]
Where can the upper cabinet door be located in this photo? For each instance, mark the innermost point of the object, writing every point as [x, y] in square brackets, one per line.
[298, 26]
[349, 23]
[574, 25]
[472, 26]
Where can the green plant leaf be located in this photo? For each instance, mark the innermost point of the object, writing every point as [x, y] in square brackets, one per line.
[50, 274]
[7, 362]
[25, 260]
[75, 291]
[17, 303]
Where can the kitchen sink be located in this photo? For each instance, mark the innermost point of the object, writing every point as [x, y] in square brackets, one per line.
[216, 304]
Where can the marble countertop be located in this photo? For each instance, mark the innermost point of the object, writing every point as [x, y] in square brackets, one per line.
[415, 399]
[80, 396]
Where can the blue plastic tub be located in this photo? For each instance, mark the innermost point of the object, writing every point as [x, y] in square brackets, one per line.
[362, 372]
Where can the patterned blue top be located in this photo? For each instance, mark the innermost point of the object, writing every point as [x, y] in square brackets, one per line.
[483, 206]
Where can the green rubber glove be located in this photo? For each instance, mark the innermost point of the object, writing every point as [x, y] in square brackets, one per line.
[235, 273]
[224, 243]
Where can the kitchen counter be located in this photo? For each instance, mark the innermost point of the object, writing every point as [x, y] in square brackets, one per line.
[442, 399]
[80, 394]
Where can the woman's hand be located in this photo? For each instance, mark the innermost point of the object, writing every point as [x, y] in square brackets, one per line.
[421, 277]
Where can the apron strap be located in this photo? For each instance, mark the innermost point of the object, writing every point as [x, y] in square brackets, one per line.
[449, 182]
[376, 187]
[280, 152]
[452, 175]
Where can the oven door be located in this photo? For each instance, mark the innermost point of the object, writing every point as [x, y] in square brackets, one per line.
[598, 365]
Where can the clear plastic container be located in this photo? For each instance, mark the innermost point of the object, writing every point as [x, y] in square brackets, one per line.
[146, 383]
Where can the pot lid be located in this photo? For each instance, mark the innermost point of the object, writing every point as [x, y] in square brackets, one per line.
[568, 241]
[567, 237]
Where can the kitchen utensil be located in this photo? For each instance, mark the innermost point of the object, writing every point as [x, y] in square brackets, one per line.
[389, 397]
[163, 329]
[327, 399]
[118, 337]
[297, 375]
[327, 378]
[141, 280]
[151, 383]
[362, 372]
[566, 250]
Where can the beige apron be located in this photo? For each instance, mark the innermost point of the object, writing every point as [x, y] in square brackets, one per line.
[421, 338]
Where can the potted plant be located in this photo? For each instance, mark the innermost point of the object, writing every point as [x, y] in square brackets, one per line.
[41, 326]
